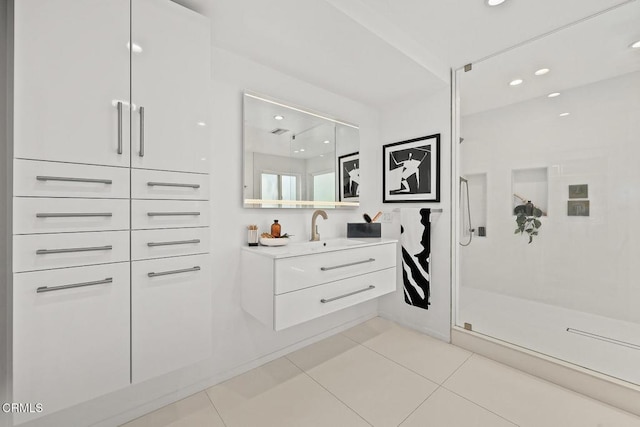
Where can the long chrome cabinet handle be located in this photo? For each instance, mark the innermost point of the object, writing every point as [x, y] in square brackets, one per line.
[166, 273]
[73, 214]
[177, 242]
[324, 301]
[66, 179]
[141, 153]
[67, 250]
[173, 213]
[347, 265]
[119, 107]
[171, 184]
[73, 285]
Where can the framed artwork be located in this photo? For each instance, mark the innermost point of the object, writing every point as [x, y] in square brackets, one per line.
[580, 191]
[411, 170]
[349, 177]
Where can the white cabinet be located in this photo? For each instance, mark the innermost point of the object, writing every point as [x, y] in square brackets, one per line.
[171, 317]
[71, 70]
[285, 290]
[84, 196]
[170, 79]
[71, 334]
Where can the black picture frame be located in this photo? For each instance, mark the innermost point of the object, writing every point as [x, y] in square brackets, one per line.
[414, 182]
[349, 177]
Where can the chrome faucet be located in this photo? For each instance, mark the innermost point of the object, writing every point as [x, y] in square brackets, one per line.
[315, 236]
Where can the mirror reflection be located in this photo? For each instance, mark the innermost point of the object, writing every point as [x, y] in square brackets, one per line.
[296, 158]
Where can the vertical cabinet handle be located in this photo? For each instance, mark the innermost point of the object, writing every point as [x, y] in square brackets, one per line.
[141, 132]
[119, 106]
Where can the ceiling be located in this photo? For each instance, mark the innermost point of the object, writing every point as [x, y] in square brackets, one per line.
[379, 52]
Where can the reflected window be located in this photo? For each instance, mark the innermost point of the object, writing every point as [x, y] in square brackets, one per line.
[278, 187]
[324, 187]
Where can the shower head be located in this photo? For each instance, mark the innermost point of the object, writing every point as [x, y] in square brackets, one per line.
[463, 180]
[460, 141]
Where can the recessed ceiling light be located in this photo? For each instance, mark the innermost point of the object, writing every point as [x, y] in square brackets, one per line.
[201, 124]
[553, 95]
[278, 117]
[321, 155]
[301, 150]
[495, 2]
[136, 47]
[516, 82]
[327, 141]
[564, 114]
[542, 71]
[296, 151]
[636, 45]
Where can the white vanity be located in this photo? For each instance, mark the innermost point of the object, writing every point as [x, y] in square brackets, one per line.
[289, 285]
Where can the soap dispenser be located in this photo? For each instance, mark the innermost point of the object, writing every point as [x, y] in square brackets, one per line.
[275, 228]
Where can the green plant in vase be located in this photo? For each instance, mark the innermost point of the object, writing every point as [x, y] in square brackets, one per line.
[527, 219]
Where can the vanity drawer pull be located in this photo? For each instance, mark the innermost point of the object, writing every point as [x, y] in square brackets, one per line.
[166, 273]
[72, 215]
[74, 285]
[347, 265]
[173, 213]
[324, 301]
[67, 250]
[177, 242]
[66, 179]
[172, 184]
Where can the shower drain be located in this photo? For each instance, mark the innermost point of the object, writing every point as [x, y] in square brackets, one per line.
[603, 338]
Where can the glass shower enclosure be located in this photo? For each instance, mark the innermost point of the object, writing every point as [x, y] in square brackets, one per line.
[548, 225]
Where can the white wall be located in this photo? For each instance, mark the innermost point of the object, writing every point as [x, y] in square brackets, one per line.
[5, 209]
[584, 263]
[407, 120]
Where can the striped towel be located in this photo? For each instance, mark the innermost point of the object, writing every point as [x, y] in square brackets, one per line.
[416, 256]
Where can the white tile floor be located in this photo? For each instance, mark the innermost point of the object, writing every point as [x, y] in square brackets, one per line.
[381, 374]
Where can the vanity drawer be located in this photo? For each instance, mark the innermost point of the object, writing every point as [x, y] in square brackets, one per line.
[151, 184]
[301, 272]
[171, 314]
[51, 179]
[71, 344]
[300, 306]
[149, 214]
[46, 251]
[47, 215]
[149, 244]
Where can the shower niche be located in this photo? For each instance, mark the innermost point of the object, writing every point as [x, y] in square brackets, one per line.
[530, 184]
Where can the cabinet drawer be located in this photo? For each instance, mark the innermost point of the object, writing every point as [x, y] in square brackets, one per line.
[171, 314]
[149, 214]
[71, 344]
[51, 179]
[46, 251]
[150, 184]
[148, 244]
[46, 215]
[309, 270]
[300, 306]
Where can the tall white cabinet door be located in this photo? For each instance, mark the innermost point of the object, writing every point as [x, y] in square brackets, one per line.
[71, 69]
[170, 314]
[170, 87]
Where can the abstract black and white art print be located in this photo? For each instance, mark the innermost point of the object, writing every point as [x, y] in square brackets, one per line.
[411, 170]
[349, 177]
[415, 227]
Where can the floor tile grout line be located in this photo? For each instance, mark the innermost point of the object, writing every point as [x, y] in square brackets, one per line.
[329, 391]
[481, 406]
[458, 368]
[418, 407]
[215, 408]
[400, 364]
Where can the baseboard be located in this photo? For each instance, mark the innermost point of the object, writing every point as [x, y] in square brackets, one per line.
[415, 326]
[612, 391]
[223, 376]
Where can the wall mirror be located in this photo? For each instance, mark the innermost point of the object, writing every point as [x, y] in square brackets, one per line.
[297, 158]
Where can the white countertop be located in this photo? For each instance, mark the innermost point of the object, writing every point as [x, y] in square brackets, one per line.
[294, 249]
